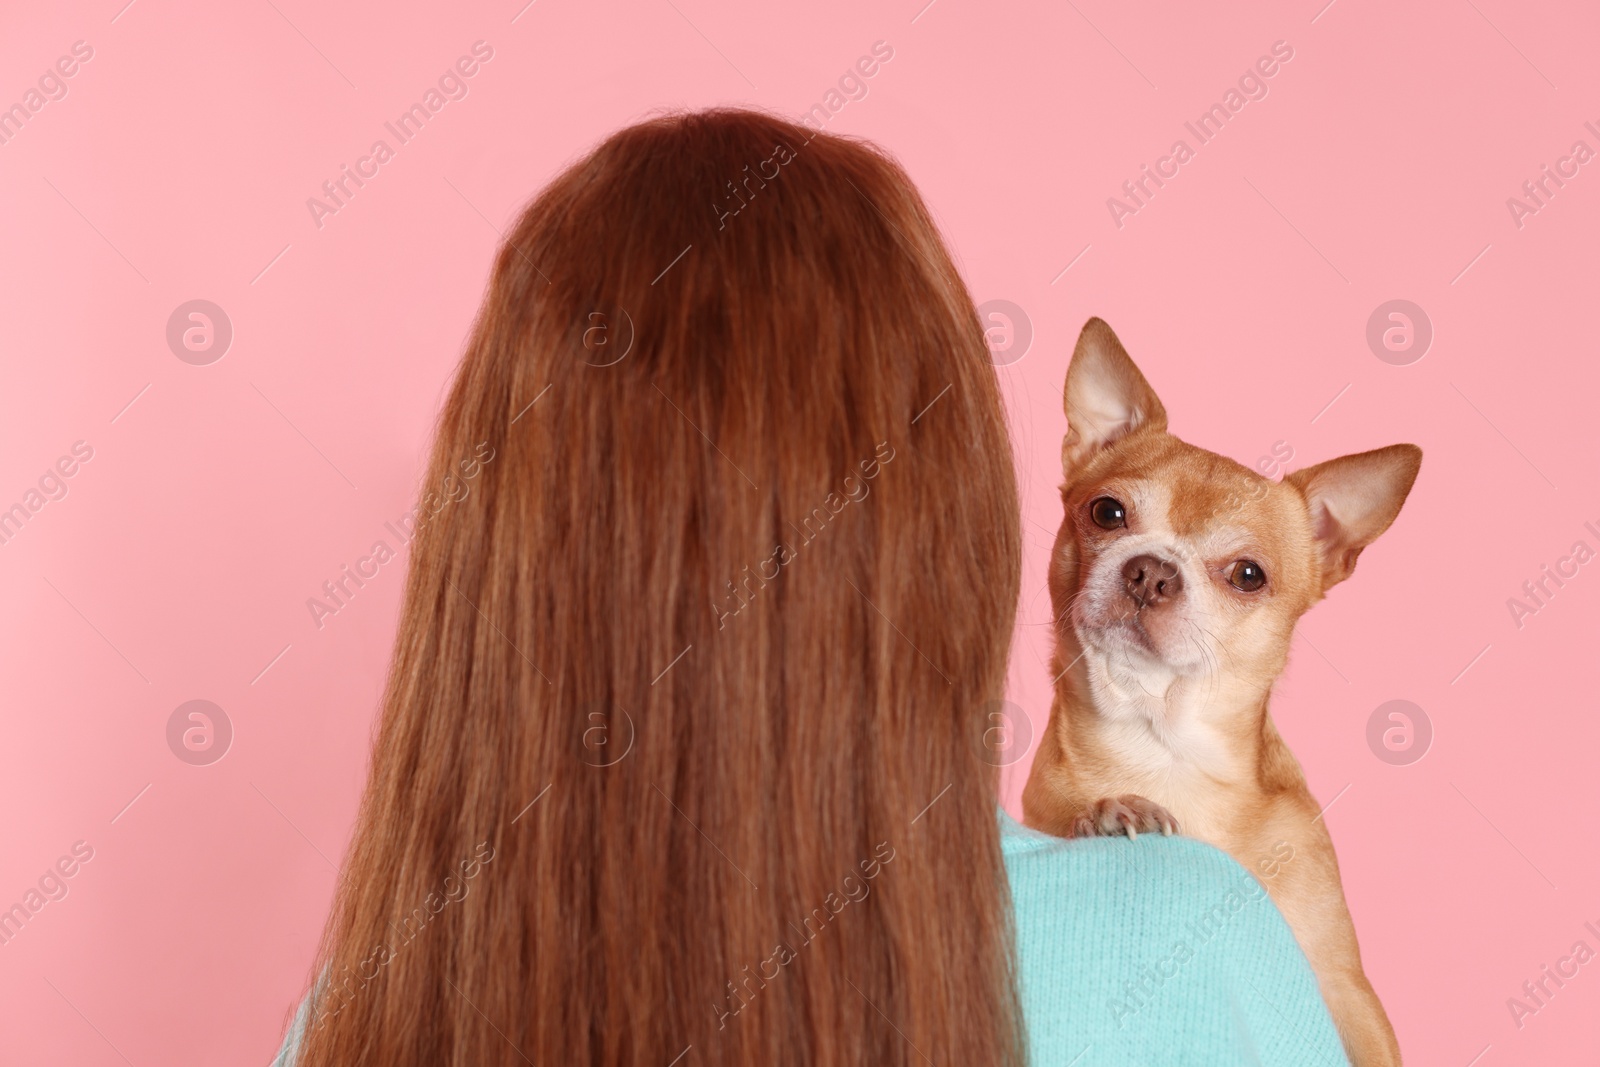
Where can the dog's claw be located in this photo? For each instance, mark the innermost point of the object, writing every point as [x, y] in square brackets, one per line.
[1126, 814]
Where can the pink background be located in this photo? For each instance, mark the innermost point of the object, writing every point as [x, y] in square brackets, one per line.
[178, 566]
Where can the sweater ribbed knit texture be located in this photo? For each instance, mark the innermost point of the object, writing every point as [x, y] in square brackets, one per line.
[1160, 950]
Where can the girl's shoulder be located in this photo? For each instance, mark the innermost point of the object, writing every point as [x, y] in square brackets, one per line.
[1157, 950]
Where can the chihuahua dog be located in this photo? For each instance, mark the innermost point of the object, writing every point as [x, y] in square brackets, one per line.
[1176, 580]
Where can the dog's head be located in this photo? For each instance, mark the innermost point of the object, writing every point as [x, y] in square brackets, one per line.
[1176, 562]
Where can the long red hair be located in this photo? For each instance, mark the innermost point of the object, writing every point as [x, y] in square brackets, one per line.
[681, 753]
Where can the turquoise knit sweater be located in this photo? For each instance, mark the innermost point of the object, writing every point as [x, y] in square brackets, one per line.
[1161, 950]
[1148, 952]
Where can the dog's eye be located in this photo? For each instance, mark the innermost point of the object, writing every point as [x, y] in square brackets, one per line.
[1108, 514]
[1247, 576]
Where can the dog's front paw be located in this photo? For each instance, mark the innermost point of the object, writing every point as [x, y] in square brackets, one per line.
[1127, 814]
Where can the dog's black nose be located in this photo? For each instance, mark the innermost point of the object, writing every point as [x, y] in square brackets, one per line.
[1149, 580]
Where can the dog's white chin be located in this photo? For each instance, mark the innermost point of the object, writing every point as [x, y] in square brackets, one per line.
[1120, 637]
[1128, 641]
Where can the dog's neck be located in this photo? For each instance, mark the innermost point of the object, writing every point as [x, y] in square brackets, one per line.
[1162, 719]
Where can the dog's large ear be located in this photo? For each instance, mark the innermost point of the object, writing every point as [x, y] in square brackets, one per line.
[1106, 397]
[1352, 500]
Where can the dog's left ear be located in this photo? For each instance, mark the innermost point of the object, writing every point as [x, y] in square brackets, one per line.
[1352, 500]
[1106, 397]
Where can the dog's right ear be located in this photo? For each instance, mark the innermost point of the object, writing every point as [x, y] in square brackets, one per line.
[1352, 500]
[1106, 397]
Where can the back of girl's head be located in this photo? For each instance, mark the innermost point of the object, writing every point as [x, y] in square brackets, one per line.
[682, 743]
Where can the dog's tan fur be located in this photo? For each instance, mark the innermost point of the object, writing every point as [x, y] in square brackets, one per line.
[1160, 712]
